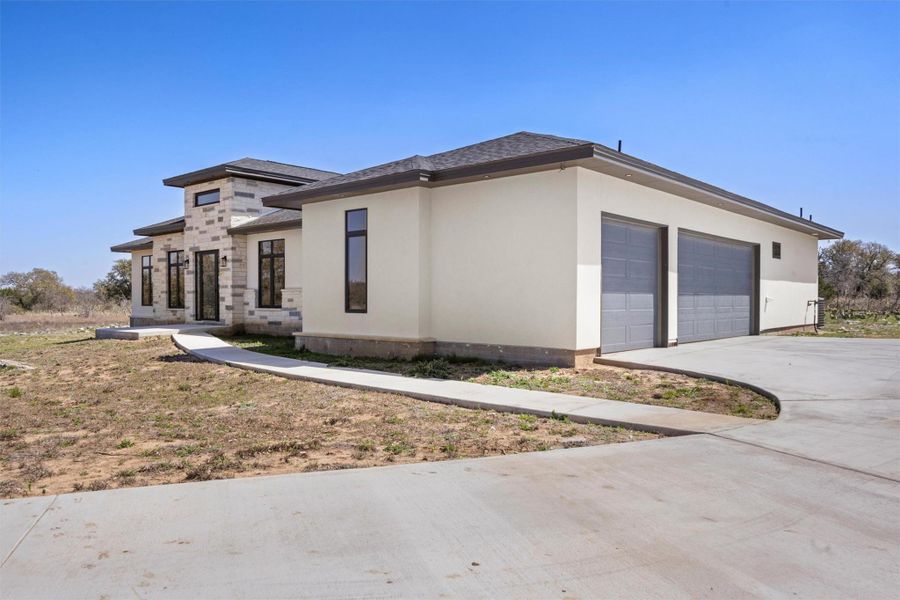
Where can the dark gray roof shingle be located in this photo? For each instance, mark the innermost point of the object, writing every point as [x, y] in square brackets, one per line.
[523, 143]
[140, 244]
[173, 225]
[282, 218]
[253, 168]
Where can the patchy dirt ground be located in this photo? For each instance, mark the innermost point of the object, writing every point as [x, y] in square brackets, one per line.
[598, 381]
[95, 414]
[48, 322]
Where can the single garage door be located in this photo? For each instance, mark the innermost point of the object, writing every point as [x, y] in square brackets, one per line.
[715, 288]
[629, 263]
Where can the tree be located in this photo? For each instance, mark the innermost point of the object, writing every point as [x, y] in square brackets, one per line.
[37, 289]
[116, 286]
[854, 270]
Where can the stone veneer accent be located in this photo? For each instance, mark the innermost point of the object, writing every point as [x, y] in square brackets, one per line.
[275, 321]
[205, 229]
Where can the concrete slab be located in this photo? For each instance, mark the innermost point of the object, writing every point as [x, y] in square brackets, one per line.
[689, 517]
[137, 333]
[644, 417]
[19, 516]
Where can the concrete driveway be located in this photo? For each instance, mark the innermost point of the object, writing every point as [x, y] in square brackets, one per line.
[807, 506]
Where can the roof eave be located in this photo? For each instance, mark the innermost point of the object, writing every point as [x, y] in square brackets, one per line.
[129, 247]
[823, 232]
[297, 198]
[223, 171]
[250, 228]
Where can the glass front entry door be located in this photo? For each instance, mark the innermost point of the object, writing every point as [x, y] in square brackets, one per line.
[207, 288]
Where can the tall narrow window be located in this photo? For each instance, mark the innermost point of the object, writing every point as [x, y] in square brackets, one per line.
[271, 273]
[176, 279]
[147, 280]
[355, 266]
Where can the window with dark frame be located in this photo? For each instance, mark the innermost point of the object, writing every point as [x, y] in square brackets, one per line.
[271, 273]
[355, 263]
[175, 278]
[776, 250]
[204, 198]
[147, 280]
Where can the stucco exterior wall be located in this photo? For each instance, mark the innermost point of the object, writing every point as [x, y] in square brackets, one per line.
[398, 266]
[787, 283]
[288, 318]
[503, 261]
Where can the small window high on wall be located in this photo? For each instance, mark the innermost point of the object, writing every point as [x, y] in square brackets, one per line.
[147, 280]
[356, 230]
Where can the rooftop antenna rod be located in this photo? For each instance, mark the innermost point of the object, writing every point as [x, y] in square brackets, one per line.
[620, 145]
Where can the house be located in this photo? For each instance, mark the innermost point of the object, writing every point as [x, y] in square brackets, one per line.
[529, 248]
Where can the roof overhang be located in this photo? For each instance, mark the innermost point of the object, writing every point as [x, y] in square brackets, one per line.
[264, 227]
[175, 225]
[133, 245]
[591, 156]
[223, 171]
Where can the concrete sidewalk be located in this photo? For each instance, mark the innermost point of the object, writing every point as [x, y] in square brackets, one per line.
[145, 331]
[643, 417]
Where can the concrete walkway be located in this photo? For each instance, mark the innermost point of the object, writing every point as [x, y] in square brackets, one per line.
[137, 333]
[643, 417]
[805, 507]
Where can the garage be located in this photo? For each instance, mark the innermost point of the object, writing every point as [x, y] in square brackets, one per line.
[716, 283]
[630, 285]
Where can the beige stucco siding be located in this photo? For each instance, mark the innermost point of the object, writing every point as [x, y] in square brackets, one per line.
[397, 266]
[787, 283]
[503, 261]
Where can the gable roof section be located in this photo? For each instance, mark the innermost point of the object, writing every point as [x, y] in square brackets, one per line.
[168, 226]
[281, 218]
[524, 150]
[141, 244]
[252, 168]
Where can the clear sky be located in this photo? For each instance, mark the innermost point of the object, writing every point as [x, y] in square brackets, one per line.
[790, 104]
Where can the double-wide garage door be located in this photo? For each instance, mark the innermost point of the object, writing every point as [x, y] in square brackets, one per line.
[715, 288]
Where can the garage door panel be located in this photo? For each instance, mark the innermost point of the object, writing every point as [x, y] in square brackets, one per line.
[630, 282]
[715, 288]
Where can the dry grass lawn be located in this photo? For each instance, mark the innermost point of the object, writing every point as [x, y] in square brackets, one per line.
[95, 414]
[597, 381]
[47, 322]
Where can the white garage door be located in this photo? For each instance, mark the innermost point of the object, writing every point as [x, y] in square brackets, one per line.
[715, 288]
[629, 285]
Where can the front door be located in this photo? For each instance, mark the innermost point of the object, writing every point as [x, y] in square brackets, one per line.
[207, 288]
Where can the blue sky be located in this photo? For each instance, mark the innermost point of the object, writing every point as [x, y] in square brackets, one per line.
[790, 104]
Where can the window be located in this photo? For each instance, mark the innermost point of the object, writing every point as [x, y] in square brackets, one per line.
[175, 278]
[355, 267]
[204, 198]
[776, 250]
[271, 273]
[147, 280]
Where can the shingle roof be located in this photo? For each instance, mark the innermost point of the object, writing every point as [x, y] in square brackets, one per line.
[252, 168]
[516, 151]
[140, 244]
[173, 225]
[523, 143]
[282, 218]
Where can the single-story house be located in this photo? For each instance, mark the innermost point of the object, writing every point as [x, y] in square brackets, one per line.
[529, 248]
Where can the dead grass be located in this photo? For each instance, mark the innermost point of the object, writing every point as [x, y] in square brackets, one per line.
[97, 414]
[47, 322]
[864, 326]
[597, 381]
